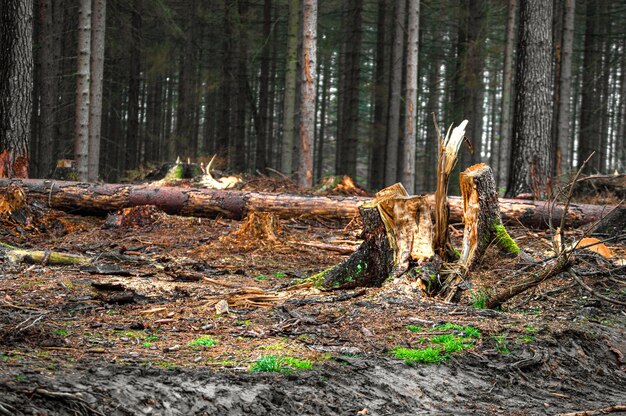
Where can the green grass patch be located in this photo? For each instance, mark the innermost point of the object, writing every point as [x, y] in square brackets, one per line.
[451, 343]
[527, 338]
[147, 344]
[501, 344]
[277, 364]
[447, 327]
[422, 356]
[203, 341]
[152, 338]
[261, 277]
[60, 332]
[280, 275]
[415, 328]
[479, 299]
[531, 329]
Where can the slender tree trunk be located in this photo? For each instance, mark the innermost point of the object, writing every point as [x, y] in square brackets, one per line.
[289, 113]
[319, 160]
[223, 139]
[83, 79]
[261, 143]
[565, 90]
[621, 122]
[98, 25]
[590, 111]
[410, 130]
[238, 154]
[134, 85]
[530, 161]
[393, 127]
[504, 145]
[304, 171]
[381, 101]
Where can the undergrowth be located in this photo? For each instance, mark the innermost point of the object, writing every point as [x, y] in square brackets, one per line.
[277, 364]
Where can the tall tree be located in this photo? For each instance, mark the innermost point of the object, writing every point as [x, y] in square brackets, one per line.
[410, 131]
[564, 88]
[16, 86]
[304, 172]
[347, 139]
[530, 158]
[83, 79]
[504, 145]
[134, 86]
[98, 24]
[261, 144]
[393, 126]
[289, 112]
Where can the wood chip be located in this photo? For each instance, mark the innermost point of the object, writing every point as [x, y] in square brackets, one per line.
[221, 307]
[153, 311]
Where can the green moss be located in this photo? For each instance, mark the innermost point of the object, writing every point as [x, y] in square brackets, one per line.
[504, 240]
[175, 172]
[423, 356]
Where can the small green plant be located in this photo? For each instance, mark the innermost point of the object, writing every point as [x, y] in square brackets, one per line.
[527, 338]
[280, 275]
[531, 329]
[422, 356]
[501, 344]
[3, 357]
[414, 328]
[165, 364]
[479, 299]
[261, 277]
[276, 364]
[471, 332]
[20, 377]
[451, 343]
[147, 344]
[62, 332]
[447, 327]
[203, 341]
[152, 338]
[278, 346]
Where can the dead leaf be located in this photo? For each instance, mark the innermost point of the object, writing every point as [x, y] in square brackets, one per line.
[598, 247]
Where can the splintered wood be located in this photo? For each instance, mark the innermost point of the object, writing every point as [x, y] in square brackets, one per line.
[263, 227]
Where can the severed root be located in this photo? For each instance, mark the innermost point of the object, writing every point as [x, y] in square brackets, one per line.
[481, 215]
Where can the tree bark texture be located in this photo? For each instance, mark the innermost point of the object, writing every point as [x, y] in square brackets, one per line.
[289, 112]
[97, 199]
[410, 113]
[504, 145]
[530, 159]
[264, 85]
[16, 86]
[98, 25]
[393, 126]
[308, 93]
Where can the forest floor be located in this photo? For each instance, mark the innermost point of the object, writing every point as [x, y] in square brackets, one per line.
[157, 343]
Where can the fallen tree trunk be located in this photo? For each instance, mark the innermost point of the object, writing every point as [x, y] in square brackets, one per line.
[99, 199]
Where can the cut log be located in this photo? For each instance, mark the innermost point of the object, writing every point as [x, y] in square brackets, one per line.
[100, 199]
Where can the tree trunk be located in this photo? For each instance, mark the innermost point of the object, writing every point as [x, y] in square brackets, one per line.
[304, 170]
[504, 145]
[98, 24]
[381, 100]
[76, 197]
[261, 143]
[223, 139]
[410, 113]
[530, 160]
[565, 90]
[289, 113]
[83, 79]
[321, 137]
[134, 84]
[237, 156]
[393, 127]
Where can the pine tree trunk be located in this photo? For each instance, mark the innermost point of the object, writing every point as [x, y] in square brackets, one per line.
[261, 143]
[530, 160]
[321, 137]
[304, 169]
[410, 129]
[381, 99]
[289, 113]
[98, 25]
[238, 154]
[222, 147]
[393, 127]
[134, 85]
[83, 79]
[504, 145]
[565, 90]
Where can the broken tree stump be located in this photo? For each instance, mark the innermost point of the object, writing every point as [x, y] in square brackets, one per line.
[481, 216]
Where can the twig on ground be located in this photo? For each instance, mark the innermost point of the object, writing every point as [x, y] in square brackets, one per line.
[610, 409]
[591, 291]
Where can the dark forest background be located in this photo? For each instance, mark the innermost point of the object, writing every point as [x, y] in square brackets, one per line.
[194, 78]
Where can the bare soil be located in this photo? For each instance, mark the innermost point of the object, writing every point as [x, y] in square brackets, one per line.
[69, 346]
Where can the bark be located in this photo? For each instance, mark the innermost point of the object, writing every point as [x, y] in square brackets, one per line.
[319, 160]
[132, 132]
[565, 91]
[261, 143]
[347, 140]
[289, 113]
[98, 24]
[590, 111]
[237, 156]
[381, 95]
[222, 145]
[504, 145]
[83, 79]
[410, 113]
[393, 127]
[304, 172]
[530, 159]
